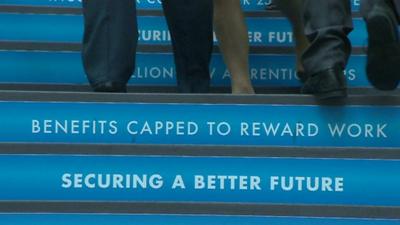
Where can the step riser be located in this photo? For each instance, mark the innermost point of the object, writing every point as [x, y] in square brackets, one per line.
[251, 5]
[69, 28]
[253, 180]
[359, 126]
[157, 69]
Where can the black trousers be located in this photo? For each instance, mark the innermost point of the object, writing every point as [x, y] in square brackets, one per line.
[327, 24]
[110, 41]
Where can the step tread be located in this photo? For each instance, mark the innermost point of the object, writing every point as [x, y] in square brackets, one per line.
[201, 209]
[199, 151]
[137, 88]
[281, 99]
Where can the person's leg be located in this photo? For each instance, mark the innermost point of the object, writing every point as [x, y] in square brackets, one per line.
[190, 23]
[396, 4]
[233, 38]
[293, 10]
[109, 43]
[383, 70]
[327, 24]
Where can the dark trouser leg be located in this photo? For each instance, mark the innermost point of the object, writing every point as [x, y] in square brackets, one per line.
[110, 39]
[383, 43]
[190, 23]
[327, 24]
[396, 4]
[367, 6]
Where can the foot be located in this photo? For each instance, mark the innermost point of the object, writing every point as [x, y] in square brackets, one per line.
[383, 61]
[242, 85]
[327, 84]
[110, 86]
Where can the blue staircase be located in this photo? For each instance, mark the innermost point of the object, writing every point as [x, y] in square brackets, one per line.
[69, 156]
[51, 31]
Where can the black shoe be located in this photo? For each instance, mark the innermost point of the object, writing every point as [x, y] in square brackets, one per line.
[383, 61]
[110, 86]
[303, 76]
[327, 84]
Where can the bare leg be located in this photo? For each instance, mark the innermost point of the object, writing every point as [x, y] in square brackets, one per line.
[232, 34]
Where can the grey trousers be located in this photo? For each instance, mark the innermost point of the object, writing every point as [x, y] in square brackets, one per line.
[327, 24]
